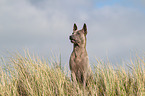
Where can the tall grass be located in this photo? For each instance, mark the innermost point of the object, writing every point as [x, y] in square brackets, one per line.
[31, 76]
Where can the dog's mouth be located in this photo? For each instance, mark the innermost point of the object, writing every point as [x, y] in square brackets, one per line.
[75, 42]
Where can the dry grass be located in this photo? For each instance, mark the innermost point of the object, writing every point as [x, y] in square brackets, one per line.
[31, 76]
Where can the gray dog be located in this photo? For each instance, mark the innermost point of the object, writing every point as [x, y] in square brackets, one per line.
[79, 62]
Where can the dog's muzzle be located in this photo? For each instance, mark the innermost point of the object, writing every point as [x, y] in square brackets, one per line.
[72, 39]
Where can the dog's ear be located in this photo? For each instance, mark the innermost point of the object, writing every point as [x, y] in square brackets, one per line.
[85, 28]
[75, 27]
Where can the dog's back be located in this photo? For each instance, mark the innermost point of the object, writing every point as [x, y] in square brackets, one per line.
[79, 62]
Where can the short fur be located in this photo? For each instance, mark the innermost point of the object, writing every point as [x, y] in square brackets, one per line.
[79, 62]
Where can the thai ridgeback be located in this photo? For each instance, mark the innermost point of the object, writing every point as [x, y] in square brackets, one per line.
[79, 61]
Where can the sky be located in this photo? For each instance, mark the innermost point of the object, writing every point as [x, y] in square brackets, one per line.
[115, 27]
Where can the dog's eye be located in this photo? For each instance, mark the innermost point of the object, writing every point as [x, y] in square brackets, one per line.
[78, 33]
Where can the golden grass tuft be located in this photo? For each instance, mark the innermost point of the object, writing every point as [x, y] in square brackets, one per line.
[31, 76]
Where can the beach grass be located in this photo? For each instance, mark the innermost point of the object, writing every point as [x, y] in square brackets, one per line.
[31, 76]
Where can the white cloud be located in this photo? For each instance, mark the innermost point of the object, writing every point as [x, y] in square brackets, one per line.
[117, 30]
[21, 17]
[47, 24]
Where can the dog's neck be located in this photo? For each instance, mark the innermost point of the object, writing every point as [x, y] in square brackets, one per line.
[79, 50]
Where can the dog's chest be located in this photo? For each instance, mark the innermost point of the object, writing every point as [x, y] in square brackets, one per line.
[78, 62]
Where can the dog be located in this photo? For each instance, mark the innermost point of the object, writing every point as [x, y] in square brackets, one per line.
[79, 61]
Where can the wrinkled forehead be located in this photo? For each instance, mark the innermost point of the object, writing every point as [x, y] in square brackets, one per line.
[77, 31]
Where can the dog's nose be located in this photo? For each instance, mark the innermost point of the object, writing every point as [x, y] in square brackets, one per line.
[71, 37]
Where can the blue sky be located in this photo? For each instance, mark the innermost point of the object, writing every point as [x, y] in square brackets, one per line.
[126, 3]
[115, 27]
[101, 4]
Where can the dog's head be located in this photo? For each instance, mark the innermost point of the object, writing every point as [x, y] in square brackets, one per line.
[78, 37]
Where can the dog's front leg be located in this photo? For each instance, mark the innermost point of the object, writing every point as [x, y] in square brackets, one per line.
[84, 80]
[73, 76]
